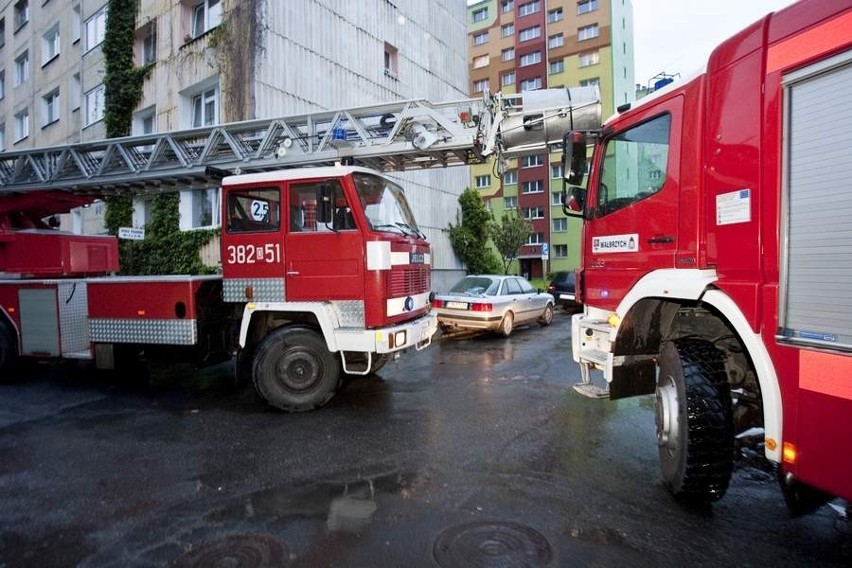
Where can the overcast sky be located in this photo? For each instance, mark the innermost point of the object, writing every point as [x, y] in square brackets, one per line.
[677, 36]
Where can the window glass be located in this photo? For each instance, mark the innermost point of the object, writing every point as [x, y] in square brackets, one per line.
[303, 208]
[526, 287]
[634, 165]
[254, 210]
[511, 286]
[385, 205]
[476, 286]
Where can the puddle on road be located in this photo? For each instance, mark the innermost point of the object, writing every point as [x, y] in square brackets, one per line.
[345, 507]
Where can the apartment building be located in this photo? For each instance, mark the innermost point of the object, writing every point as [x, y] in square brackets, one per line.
[524, 45]
[216, 61]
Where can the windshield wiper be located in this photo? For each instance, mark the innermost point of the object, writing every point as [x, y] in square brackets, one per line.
[386, 226]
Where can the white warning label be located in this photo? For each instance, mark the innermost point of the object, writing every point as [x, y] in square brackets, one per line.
[733, 207]
[615, 243]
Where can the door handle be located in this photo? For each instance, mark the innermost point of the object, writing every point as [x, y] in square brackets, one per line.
[292, 273]
[661, 239]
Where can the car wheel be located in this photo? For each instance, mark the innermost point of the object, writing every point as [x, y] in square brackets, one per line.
[547, 317]
[693, 414]
[507, 324]
[294, 371]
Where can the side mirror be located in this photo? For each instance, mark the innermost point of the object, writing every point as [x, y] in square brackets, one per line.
[573, 201]
[324, 204]
[574, 170]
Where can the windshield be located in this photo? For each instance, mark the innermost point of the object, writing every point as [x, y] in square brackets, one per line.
[476, 286]
[385, 205]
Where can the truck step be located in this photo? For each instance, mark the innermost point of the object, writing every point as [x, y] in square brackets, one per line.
[591, 391]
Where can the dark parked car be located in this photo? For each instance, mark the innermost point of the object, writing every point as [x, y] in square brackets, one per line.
[562, 288]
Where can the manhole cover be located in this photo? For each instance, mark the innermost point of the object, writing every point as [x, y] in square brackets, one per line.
[492, 544]
[242, 551]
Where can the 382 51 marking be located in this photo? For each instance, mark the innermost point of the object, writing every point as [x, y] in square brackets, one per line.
[254, 254]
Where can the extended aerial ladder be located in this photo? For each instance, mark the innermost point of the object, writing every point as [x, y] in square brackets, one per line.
[405, 135]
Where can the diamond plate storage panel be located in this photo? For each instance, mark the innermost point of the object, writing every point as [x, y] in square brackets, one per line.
[73, 316]
[148, 332]
[263, 289]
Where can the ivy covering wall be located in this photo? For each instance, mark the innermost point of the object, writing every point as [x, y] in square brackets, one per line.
[166, 249]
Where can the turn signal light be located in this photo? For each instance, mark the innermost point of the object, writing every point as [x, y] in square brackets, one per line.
[789, 453]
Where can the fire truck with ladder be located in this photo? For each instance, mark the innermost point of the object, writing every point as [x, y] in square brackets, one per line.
[325, 272]
[717, 258]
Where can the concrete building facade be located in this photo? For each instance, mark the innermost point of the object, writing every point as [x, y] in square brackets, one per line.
[216, 61]
[524, 45]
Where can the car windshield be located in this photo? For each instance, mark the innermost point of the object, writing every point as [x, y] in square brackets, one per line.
[476, 286]
[385, 205]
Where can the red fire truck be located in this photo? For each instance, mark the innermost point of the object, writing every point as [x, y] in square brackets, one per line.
[324, 270]
[716, 258]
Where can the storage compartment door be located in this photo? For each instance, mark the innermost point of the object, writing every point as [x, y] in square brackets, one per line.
[39, 321]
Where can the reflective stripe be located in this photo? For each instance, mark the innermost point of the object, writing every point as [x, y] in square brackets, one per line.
[819, 39]
[396, 306]
[826, 373]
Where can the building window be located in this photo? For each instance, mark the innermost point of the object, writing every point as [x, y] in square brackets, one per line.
[556, 171]
[510, 177]
[507, 30]
[530, 59]
[96, 29]
[529, 8]
[594, 82]
[510, 203]
[50, 45]
[481, 61]
[555, 15]
[480, 15]
[560, 251]
[22, 13]
[586, 6]
[76, 23]
[391, 61]
[535, 239]
[556, 198]
[507, 78]
[480, 86]
[529, 33]
[22, 68]
[22, 125]
[2, 32]
[588, 32]
[560, 225]
[480, 38]
[2, 84]
[199, 209]
[95, 105]
[205, 108]
[536, 186]
[206, 15]
[50, 107]
[531, 161]
[75, 91]
[590, 58]
[507, 54]
[557, 66]
[554, 41]
[145, 122]
[507, 5]
[2, 137]
[531, 84]
[533, 213]
[146, 41]
[482, 181]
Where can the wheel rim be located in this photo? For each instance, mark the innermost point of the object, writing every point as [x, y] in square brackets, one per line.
[507, 324]
[666, 414]
[548, 314]
[298, 370]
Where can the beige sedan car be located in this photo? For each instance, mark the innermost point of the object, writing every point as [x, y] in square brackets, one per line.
[492, 302]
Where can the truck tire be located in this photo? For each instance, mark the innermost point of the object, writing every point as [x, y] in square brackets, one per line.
[8, 351]
[293, 370]
[694, 420]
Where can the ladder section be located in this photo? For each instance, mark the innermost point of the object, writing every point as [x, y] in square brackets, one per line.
[406, 135]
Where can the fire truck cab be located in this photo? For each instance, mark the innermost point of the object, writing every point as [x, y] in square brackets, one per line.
[716, 254]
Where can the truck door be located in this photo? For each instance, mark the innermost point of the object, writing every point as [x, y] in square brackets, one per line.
[252, 244]
[633, 211]
[325, 261]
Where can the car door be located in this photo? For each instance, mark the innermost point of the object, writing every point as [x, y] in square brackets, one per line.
[533, 301]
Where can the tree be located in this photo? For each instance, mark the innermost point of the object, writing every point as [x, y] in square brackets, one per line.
[469, 238]
[509, 235]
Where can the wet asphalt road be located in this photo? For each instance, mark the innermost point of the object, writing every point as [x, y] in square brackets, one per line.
[475, 452]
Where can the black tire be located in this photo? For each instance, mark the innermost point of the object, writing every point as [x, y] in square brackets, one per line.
[694, 420]
[293, 370]
[507, 324]
[8, 352]
[547, 317]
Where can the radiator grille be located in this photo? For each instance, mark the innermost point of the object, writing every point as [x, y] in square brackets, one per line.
[409, 280]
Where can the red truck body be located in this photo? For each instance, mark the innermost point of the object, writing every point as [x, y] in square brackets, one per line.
[710, 214]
